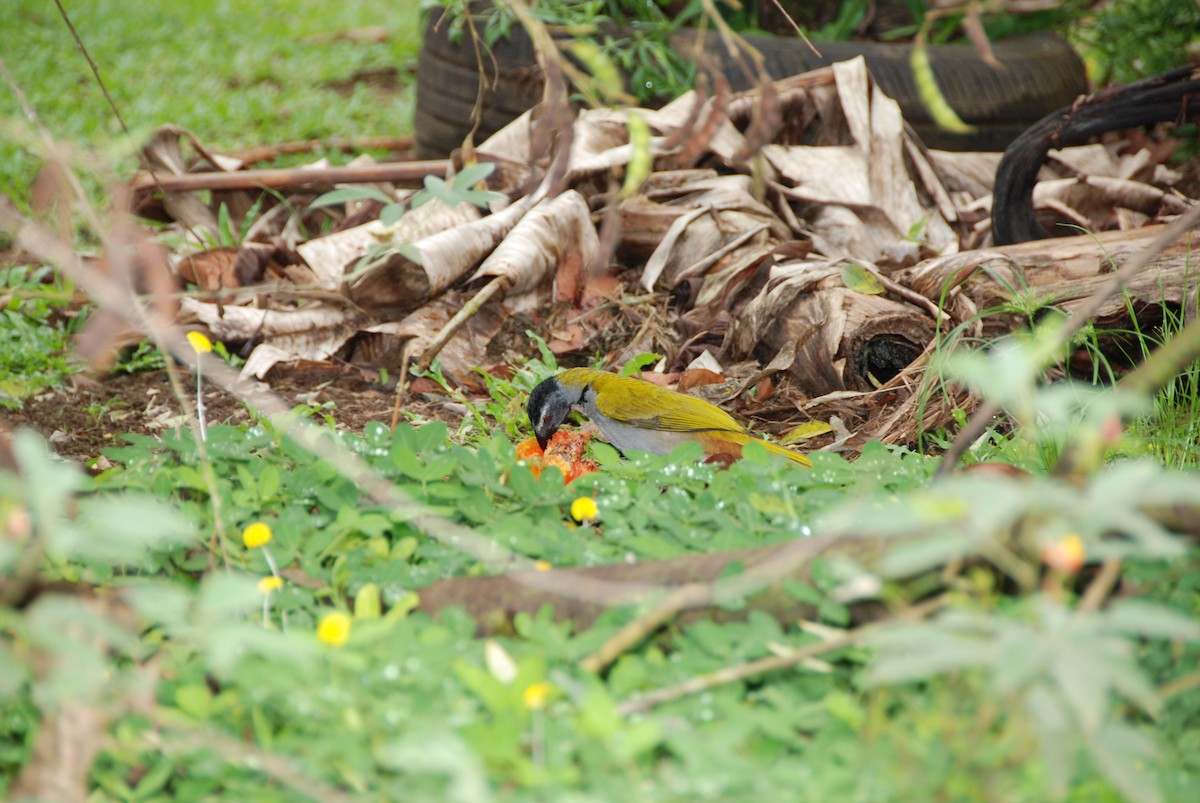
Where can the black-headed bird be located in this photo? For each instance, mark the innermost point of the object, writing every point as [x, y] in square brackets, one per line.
[635, 414]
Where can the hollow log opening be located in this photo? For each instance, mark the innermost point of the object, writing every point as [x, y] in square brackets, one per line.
[883, 356]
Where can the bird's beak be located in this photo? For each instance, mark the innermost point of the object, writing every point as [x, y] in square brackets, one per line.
[542, 441]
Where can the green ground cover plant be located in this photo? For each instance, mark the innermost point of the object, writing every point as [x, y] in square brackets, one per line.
[334, 684]
[33, 344]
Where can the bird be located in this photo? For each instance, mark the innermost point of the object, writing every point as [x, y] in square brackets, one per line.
[635, 414]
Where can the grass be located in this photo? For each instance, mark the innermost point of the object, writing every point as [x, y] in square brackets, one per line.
[1170, 430]
[235, 74]
[33, 347]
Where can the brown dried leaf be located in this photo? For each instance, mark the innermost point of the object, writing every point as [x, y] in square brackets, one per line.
[470, 347]
[698, 376]
[334, 255]
[314, 332]
[397, 285]
[554, 232]
[164, 155]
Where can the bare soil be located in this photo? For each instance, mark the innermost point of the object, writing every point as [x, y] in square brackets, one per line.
[84, 416]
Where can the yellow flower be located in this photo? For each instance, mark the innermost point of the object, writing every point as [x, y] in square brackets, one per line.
[256, 535]
[1065, 555]
[270, 583]
[542, 566]
[584, 508]
[537, 694]
[200, 343]
[334, 629]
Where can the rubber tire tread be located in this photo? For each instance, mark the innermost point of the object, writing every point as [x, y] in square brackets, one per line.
[1043, 74]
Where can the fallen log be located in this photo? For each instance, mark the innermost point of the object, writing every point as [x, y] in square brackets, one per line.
[582, 594]
[1063, 272]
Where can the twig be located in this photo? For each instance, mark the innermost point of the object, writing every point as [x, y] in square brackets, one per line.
[681, 599]
[1091, 306]
[800, 31]
[295, 178]
[498, 285]
[1180, 685]
[1101, 585]
[706, 262]
[154, 178]
[263, 153]
[694, 595]
[911, 296]
[733, 674]
[402, 382]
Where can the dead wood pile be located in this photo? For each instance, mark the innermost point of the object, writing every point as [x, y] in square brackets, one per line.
[798, 231]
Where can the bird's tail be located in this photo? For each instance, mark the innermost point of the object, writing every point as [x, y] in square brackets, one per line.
[795, 457]
[731, 443]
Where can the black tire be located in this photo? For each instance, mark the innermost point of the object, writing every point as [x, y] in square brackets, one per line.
[1043, 73]
[1173, 96]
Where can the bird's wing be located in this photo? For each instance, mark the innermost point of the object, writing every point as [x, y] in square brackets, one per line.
[637, 403]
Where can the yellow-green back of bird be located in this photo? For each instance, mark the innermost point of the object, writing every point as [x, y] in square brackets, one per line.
[622, 407]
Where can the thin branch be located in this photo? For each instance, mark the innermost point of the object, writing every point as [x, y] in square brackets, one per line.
[681, 599]
[497, 286]
[1101, 586]
[772, 663]
[695, 595]
[732, 674]
[296, 178]
[1179, 685]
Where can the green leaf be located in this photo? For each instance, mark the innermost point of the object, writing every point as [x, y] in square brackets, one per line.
[48, 482]
[494, 694]
[472, 174]
[268, 482]
[194, 700]
[341, 196]
[1143, 618]
[123, 529]
[224, 227]
[846, 709]
[635, 365]
[1082, 684]
[391, 214]
[598, 714]
[410, 252]
[162, 604]
[1122, 753]
[225, 597]
[914, 555]
[641, 158]
[930, 93]
[861, 280]
[367, 603]
[443, 753]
